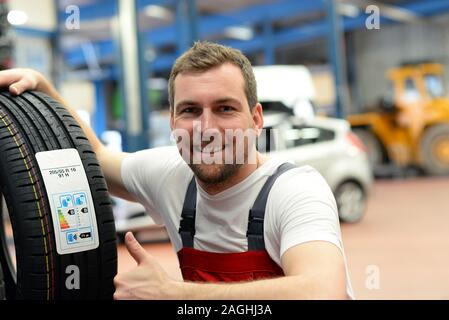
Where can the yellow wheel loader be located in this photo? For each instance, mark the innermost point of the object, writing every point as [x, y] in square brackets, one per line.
[410, 126]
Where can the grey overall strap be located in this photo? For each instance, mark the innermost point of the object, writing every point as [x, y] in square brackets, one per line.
[255, 233]
[187, 224]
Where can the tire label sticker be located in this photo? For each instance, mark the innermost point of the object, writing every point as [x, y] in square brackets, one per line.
[71, 202]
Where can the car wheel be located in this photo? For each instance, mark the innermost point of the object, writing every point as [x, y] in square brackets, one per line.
[31, 125]
[351, 201]
[435, 150]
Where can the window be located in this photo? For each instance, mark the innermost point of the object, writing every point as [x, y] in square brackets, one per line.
[410, 92]
[285, 137]
[434, 85]
[304, 135]
[275, 106]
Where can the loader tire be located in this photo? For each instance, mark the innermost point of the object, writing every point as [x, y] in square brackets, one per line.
[435, 150]
[31, 123]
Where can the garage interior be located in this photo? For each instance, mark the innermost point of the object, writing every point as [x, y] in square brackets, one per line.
[382, 66]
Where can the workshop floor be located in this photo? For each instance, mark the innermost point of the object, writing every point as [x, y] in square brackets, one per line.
[400, 250]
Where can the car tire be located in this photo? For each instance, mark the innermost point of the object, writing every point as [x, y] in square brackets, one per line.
[31, 123]
[435, 150]
[351, 201]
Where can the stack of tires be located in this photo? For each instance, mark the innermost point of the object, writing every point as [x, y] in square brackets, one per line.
[32, 123]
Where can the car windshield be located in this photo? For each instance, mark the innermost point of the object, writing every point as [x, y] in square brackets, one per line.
[434, 85]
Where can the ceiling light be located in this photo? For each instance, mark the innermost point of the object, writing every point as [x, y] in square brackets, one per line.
[17, 18]
[159, 12]
[239, 33]
[348, 10]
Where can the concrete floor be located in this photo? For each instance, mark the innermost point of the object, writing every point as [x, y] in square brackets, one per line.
[404, 236]
[400, 250]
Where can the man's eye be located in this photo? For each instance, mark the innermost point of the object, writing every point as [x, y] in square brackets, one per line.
[226, 108]
[188, 110]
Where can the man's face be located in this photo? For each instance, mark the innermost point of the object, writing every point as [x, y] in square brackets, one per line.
[210, 107]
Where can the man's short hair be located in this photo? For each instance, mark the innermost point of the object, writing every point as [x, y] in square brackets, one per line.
[204, 55]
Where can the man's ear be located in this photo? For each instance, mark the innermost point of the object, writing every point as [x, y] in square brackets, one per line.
[258, 117]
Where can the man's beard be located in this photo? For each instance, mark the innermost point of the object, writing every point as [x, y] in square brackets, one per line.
[214, 173]
[222, 162]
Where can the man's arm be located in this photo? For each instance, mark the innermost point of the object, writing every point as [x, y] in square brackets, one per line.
[20, 80]
[313, 270]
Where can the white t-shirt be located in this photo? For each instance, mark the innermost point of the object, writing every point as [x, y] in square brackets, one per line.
[300, 207]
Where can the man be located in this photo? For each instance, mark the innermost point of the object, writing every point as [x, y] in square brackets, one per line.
[251, 229]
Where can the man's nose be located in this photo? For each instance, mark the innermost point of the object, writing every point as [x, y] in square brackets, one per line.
[208, 120]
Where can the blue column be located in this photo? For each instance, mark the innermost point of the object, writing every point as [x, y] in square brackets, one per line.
[193, 16]
[58, 63]
[269, 49]
[186, 24]
[99, 114]
[335, 36]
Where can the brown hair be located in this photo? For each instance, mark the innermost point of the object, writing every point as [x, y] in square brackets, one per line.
[204, 55]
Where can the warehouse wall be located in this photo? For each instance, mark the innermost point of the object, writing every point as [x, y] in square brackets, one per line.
[80, 94]
[41, 13]
[34, 53]
[378, 50]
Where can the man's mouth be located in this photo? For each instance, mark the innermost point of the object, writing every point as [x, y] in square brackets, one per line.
[209, 149]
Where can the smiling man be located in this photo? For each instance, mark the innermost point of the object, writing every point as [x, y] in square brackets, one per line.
[244, 226]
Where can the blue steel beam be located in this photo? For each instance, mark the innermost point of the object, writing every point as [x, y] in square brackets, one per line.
[105, 9]
[105, 50]
[99, 114]
[215, 24]
[186, 24]
[34, 32]
[334, 33]
[427, 8]
[100, 10]
[269, 51]
[314, 31]
[299, 34]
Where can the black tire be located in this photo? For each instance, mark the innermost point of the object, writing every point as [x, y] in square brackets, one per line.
[435, 150]
[121, 237]
[351, 201]
[2, 285]
[30, 123]
[375, 151]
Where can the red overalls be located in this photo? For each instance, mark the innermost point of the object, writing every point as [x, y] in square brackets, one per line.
[197, 265]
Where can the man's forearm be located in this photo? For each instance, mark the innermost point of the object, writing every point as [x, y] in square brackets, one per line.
[284, 288]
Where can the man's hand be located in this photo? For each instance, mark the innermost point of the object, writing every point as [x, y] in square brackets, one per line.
[19, 80]
[148, 281]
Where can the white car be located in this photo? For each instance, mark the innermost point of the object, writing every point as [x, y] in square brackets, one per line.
[132, 216]
[330, 147]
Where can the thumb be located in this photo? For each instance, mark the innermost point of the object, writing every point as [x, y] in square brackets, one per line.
[14, 90]
[134, 248]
